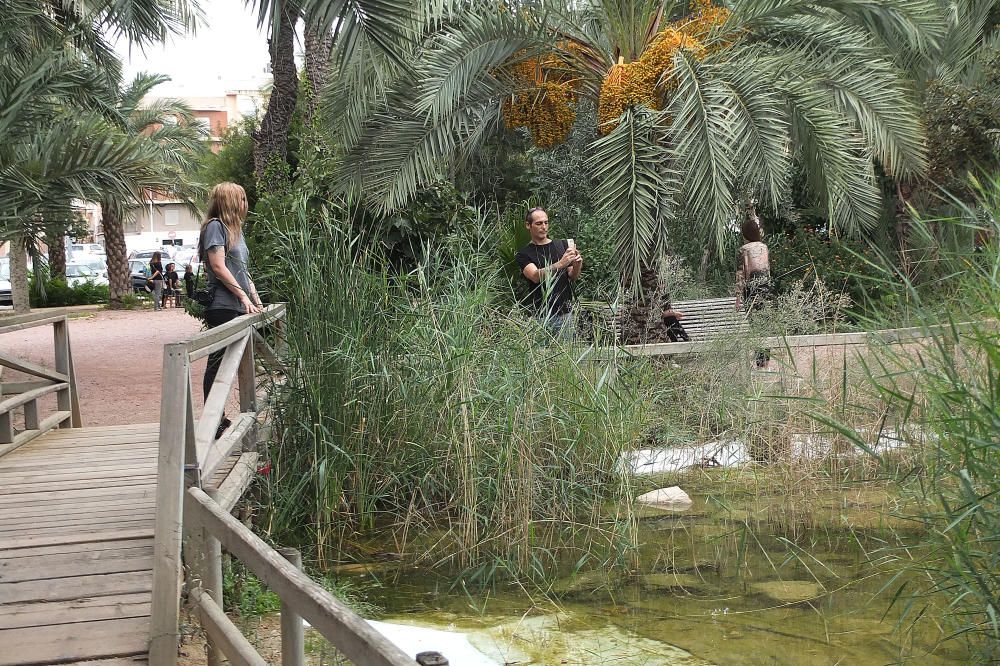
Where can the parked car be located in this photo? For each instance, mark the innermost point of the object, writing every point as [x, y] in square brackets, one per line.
[166, 253]
[77, 274]
[139, 270]
[6, 296]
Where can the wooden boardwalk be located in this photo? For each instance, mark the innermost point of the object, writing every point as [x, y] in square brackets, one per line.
[76, 546]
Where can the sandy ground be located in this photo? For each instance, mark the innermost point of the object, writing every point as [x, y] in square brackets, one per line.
[118, 356]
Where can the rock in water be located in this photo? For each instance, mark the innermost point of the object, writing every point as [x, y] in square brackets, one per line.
[672, 581]
[789, 591]
[671, 499]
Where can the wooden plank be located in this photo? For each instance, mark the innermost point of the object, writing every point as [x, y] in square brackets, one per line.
[16, 401]
[84, 640]
[45, 425]
[39, 486]
[14, 323]
[77, 506]
[130, 469]
[57, 497]
[218, 450]
[9, 388]
[218, 396]
[67, 548]
[164, 633]
[225, 635]
[75, 587]
[238, 480]
[54, 613]
[91, 431]
[73, 460]
[73, 569]
[349, 633]
[109, 534]
[29, 368]
[95, 516]
[206, 342]
[85, 563]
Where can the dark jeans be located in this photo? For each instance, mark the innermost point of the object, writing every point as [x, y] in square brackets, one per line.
[215, 318]
[674, 329]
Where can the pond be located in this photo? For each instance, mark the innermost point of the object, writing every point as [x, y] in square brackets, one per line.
[716, 585]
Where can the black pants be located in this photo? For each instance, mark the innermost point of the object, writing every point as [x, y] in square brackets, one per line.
[215, 318]
[674, 329]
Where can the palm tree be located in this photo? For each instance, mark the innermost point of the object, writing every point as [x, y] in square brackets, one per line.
[347, 30]
[56, 144]
[175, 144]
[701, 106]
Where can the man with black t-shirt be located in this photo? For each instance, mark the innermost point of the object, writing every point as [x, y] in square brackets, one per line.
[550, 267]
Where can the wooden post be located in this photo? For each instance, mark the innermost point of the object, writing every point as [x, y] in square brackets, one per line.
[165, 610]
[247, 378]
[31, 415]
[60, 338]
[293, 633]
[211, 578]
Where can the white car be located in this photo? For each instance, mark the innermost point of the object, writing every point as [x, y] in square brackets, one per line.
[77, 274]
[6, 296]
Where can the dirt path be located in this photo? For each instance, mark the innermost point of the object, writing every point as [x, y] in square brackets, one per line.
[118, 357]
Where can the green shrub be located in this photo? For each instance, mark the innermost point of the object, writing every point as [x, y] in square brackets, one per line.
[56, 292]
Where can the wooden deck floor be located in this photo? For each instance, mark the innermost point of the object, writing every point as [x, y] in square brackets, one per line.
[76, 546]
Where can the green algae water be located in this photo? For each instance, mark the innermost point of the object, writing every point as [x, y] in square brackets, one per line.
[715, 585]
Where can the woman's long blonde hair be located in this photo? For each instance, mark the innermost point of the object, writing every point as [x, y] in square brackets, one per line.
[226, 202]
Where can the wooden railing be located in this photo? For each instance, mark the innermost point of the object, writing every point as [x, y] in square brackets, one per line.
[192, 512]
[24, 395]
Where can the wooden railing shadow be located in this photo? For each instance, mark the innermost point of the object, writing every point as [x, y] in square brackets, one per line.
[193, 519]
[25, 395]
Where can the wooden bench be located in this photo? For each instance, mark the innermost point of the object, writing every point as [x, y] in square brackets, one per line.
[711, 318]
[704, 319]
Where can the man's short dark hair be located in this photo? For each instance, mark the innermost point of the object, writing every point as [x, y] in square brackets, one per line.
[532, 211]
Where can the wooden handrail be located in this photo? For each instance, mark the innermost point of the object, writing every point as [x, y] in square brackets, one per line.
[43, 380]
[350, 634]
[189, 453]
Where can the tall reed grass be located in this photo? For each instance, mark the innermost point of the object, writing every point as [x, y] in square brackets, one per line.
[421, 410]
[946, 392]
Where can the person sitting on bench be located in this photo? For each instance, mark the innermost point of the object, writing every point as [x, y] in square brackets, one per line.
[672, 323]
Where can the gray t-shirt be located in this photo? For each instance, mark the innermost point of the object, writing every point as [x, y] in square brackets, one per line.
[237, 257]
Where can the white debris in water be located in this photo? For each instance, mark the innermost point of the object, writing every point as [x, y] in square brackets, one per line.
[713, 454]
[453, 645]
[733, 453]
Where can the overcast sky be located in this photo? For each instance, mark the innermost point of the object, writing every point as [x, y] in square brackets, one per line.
[227, 52]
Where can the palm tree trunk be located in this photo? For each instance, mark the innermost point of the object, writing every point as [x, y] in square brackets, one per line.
[56, 240]
[317, 66]
[270, 150]
[19, 275]
[119, 278]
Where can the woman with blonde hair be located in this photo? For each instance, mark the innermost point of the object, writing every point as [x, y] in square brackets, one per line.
[223, 251]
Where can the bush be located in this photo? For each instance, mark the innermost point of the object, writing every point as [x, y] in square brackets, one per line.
[56, 292]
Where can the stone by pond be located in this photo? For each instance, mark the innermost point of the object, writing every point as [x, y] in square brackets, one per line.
[789, 591]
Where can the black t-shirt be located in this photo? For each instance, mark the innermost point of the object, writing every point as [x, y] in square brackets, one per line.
[172, 280]
[554, 294]
[189, 284]
[155, 270]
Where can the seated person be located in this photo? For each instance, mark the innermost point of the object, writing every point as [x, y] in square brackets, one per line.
[671, 320]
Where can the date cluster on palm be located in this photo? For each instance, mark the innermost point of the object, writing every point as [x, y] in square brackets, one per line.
[545, 106]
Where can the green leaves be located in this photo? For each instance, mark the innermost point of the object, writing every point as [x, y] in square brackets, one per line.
[628, 167]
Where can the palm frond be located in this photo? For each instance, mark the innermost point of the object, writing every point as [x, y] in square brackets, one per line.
[628, 167]
[703, 143]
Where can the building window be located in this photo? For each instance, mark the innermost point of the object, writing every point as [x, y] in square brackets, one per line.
[171, 217]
